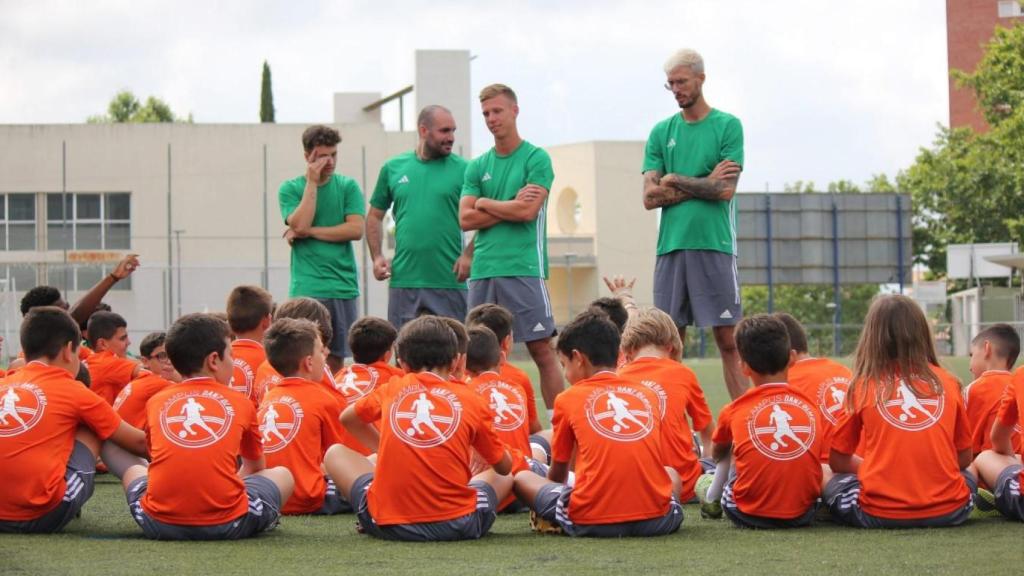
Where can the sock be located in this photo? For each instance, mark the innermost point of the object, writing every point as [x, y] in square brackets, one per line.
[721, 476]
[118, 460]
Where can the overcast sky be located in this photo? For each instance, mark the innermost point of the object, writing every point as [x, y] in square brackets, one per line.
[826, 90]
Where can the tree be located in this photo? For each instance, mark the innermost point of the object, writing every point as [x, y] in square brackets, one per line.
[969, 187]
[266, 96]
[125, 108]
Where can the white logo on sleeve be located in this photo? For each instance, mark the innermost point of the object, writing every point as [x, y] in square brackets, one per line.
[908, 412]
[280, 420]
[487, 177]
[621, 413]
[403, 180]
[425, 418]
[782, 427]
[196, 419]
[21, 408]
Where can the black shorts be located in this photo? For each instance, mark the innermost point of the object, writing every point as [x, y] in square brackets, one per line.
[80, 477]
[552, 504]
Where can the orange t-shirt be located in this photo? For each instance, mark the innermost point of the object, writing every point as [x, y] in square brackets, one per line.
[981, 400]
[429, 426]
[910, 468]
[775, 438]
[506, 403]
[109, 373]
[358, 380]
[247, 356]
[196, 431]
[679, 394]
[824, 382]
[1010, 410]
[41, 408]
[516, 375]
[299, 421]
[130, 403]
[615, 427]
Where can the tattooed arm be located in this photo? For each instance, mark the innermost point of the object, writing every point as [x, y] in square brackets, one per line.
[719, 185]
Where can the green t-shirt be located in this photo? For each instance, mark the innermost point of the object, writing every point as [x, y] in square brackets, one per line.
[510, 248]
[425, 200]
[323, 269]
[679, 147]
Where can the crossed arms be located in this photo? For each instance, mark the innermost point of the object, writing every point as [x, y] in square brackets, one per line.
[478, 213]
[668, 189]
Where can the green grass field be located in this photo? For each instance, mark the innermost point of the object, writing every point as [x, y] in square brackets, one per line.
[106, 541]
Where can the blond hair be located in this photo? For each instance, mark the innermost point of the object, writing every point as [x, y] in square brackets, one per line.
[895, 345]
[652, 327]
[495, 90]
[685, 57]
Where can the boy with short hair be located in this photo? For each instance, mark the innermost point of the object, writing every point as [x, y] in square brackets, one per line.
[299, 419]
[249, 311]
[458, 373]
[772, 434]
[197, 429]
[421, 489]
[160, 373]
[109, 367]
[614, 428]
[614, 309]
[821, 380]
[51, 429]
[309, 309]
[999, 467]
[370, 339]
[994, 351]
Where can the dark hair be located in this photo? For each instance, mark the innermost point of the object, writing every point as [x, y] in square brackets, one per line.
[593, 335]
[103, 325]
[309, 309]
[247, 306]
[495, 317]
[192, 338]
[427, 342]
[461, 336]
[288, 341]
[39, 296]
[101, 307]
[1004, 339]
[763, 343]
[797, 336]
[46, 330]
[319, 135]
[370, 338]
[483, 352]
[614, 309]
[83, 375]
[151, 342]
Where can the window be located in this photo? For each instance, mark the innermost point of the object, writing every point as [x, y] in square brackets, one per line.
[1010, 9]
[88, 221]
[17, 221]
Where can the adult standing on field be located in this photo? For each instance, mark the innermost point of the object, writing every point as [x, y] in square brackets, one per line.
[324, 213]
[422, 187]
[692, 163]
[504, 197]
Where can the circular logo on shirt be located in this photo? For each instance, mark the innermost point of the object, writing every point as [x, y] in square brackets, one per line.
[196, 419]
[782, 427]
[908, 412]
[21, 408]
[357, 381]
[506, 403]
[620, 413]
[659, 391]
[123, 395]
[831, 395]
[425, 417]
[280, 420]
[242, 377]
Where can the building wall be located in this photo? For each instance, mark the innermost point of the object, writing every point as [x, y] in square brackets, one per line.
[969, 26]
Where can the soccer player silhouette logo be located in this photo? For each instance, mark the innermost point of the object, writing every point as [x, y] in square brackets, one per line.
[279, 423]
[831, 396]
[506, 402]
[21, 407]
[122, 396]
[242, 377]
[623, 413]
[782, 427]
[424, 417]
[196, 419]
[358, 381]
[909, 412]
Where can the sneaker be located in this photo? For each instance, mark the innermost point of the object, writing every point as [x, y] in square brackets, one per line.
[984, 505]
[539, 524]
[711, 510]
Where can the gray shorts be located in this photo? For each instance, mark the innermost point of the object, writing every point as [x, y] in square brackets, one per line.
[750, 521]
[80, 477]
[525, 297]
[700, 287]
[1008, 499]
[264, 512]
[334, 502]
[343, 314]
[404, 304]
[542, 442]
[842, 497]
[552, 504]
[468, 527]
